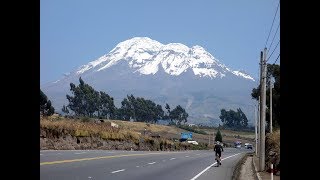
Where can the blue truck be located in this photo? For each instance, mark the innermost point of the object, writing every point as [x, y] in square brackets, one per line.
[186, 136]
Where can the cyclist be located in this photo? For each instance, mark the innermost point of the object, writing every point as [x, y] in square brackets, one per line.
[218, 149]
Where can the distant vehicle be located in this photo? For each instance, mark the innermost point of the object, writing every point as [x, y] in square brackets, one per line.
[249, 146]
[237, 144]
[186, 136]
[193, 142]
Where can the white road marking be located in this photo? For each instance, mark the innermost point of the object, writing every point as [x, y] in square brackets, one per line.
[103, 152]
[41, 154]
[137, 166]
[152, 163]
[211, 166]
[118, 171]
[89, 177]
[80, 153]
[172, 158]
[186, 156]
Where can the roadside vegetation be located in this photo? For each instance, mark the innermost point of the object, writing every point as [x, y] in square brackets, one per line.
[58, 127]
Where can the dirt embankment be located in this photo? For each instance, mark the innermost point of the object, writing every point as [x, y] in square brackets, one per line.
[52, 140]
[57, 132]
[71, 135]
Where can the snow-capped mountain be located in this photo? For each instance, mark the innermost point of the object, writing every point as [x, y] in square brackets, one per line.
[165, 73]
[146, 56]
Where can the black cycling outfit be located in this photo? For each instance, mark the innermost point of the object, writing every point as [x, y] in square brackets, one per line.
[218, 148]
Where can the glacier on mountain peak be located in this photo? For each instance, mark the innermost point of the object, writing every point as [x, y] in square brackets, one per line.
[145, 56]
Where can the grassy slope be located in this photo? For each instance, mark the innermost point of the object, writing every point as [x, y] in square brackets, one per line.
[133, 130]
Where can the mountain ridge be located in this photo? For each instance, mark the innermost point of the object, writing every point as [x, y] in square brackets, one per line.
[145, 55]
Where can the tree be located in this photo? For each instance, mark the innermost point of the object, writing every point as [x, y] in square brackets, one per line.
[242, 118]
[273, 71]
[159, 112]
[85, 99]
[224, 117]
[140, 109]
[106, 107]
[179, 115]
[126, 111]
[167, 114]
[46, 107]
[233, 119]
[65, 109]
[50, 108]
[218, 136]
[75, 101]
[43, 101]
[117, 113]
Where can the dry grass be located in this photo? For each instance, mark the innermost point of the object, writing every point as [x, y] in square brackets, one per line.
[273, 141]
[87, 129]
[132, 130]
[166, 132]
[171, 132]
[273, 148]
[231, 133]
[140, 126]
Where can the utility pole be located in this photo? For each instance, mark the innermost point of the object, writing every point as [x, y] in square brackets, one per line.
[209, 138]
[255, 128]
[263, 111]
[259, 111]
[258, 129]
[271, 86]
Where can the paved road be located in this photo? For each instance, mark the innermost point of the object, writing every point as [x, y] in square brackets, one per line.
[136, 165]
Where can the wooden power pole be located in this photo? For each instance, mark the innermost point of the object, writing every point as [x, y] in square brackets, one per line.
[263, 111]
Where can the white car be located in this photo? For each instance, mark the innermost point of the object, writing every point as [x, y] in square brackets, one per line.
[249, 146]
[193, 142]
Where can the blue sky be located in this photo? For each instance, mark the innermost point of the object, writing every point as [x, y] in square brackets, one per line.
[75, 32]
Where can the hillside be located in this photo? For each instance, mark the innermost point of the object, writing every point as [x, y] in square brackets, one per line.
[57, 132]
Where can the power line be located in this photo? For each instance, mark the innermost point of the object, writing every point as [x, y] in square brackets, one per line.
[276, 59]
[272, 23]
[273, 50]
[268, 75]
[274, 35]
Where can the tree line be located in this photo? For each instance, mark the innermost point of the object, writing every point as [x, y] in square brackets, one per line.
[86, 101]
